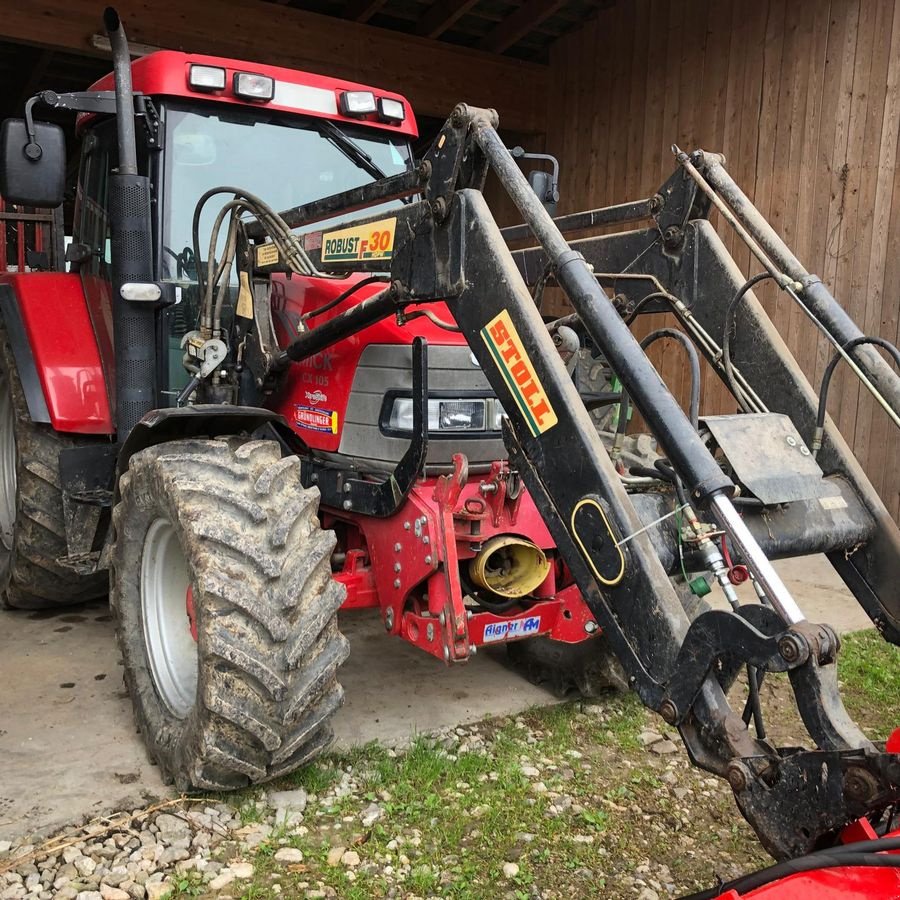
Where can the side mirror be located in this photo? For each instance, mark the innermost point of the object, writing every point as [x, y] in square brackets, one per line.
[542, 183]
[32, 163]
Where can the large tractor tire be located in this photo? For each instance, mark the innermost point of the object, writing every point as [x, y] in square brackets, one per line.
[32, 526]
[227, 612]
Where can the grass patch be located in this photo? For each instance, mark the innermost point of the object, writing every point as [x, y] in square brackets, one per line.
[469, 818]
[869, 669]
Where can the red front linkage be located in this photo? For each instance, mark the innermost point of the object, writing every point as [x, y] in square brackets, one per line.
[409, 565]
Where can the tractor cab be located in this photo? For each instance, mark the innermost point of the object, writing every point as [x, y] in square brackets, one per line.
[210, 123]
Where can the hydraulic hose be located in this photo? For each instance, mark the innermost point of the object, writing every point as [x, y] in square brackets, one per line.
[336, 301]
[826, 382]
[726, 338]
[694, 362]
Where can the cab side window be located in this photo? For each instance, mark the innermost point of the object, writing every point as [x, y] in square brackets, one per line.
[91, 226]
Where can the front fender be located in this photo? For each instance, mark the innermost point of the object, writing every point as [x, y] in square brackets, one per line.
[55, 348]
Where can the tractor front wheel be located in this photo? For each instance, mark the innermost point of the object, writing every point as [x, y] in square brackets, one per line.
[221, 583]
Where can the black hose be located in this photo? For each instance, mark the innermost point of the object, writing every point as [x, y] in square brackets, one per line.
[372, 279]
[729, 326]
[874, 846]
[540, 284]
[694, 362]
[656, 295]
[647, 472]
[829, 370]
[821, 860]
[664, 466]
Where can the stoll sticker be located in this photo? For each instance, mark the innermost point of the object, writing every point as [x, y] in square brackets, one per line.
[374, 240]
[506, 347]
[324, 420]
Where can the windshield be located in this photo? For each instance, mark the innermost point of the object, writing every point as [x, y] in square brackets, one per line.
[284, 160]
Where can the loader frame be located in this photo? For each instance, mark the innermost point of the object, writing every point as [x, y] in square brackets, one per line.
[449, 248]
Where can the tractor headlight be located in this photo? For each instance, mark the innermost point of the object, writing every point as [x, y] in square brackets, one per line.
[390, 110]
[250, 86]
[357, 103]
[447, 416]
[206, 78]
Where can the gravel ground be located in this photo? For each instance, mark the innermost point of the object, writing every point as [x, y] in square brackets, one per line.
[577, 800]
[352, 838]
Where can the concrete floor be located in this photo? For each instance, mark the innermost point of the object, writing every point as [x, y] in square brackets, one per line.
[68, 747]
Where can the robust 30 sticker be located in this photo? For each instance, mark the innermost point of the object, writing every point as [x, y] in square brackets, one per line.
[506, 347]
[375, 240]
[325, 420]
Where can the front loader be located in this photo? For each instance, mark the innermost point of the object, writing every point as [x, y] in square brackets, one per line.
[374, 413]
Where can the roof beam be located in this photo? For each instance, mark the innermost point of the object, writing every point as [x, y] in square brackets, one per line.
[434, 76]
[441, 16]
[362, 10]
[514, 27]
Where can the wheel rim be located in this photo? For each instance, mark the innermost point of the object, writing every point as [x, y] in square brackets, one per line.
[171, 650]
[7, 465]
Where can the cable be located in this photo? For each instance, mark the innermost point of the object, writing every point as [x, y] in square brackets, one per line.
[693, 360]
[540, 284]
[325, 307]
[826, 382]
[428, 314]
[726, 338]
[821, 860]
[875, 845]
[656, 295]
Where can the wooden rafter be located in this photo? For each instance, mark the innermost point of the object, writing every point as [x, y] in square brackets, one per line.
[514, 27]
[362, 10]
[441, 15]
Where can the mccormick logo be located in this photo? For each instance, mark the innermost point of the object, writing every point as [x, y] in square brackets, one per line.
[324, 420]
[499, 631]
[506, 347]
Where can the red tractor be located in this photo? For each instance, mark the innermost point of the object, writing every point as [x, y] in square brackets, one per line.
[241, 429]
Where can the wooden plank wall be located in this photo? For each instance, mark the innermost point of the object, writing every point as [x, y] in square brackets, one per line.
[803, 97]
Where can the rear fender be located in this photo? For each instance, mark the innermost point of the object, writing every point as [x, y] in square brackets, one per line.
[56, 352]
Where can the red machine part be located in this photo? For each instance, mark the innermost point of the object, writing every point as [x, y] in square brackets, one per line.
[64, 346]
[409, 566]
[835, 883]
[314, 398]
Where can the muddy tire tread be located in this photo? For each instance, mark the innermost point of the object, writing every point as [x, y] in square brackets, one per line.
[247, 526]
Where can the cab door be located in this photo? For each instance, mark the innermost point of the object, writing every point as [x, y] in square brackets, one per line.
[91, 240]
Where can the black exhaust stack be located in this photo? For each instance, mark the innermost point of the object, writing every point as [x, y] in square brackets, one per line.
[134, 324]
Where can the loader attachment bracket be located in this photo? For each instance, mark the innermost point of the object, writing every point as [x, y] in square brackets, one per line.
[801, 801]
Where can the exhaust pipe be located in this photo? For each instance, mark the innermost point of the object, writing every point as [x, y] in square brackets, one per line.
[134, 324]
[509, 566]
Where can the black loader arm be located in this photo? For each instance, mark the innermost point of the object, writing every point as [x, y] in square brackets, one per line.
[448, 247]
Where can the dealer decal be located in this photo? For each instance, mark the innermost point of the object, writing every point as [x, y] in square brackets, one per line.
[375, 240]
[506, 347]
[506, 631]
[324, 420]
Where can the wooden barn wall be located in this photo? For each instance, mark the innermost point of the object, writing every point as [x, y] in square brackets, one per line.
[803, 98]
